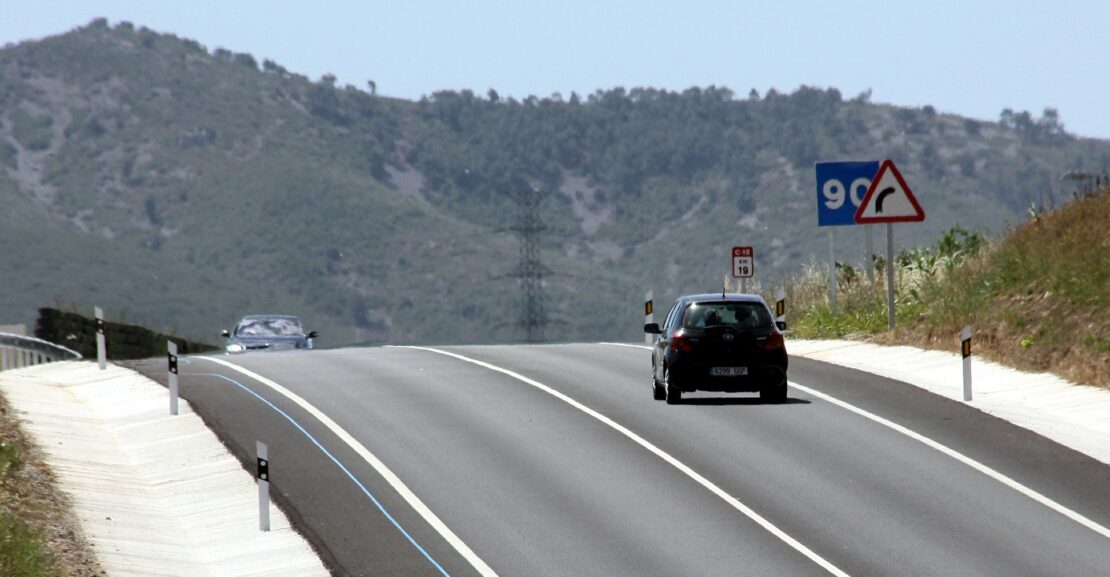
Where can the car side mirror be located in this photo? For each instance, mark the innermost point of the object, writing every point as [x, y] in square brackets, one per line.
[224, 333]
[653, 328]
[781, 325]
[313, 334]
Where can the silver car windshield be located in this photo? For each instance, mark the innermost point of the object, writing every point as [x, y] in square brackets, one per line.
[282, 327]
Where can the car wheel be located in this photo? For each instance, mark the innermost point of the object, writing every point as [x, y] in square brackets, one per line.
[775, 394]
[674, 396]
[657, 391]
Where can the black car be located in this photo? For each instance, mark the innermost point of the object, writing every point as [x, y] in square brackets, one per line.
[718, 342]
[267, 333]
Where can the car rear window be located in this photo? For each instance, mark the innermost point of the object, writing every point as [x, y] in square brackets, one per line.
[737, 315]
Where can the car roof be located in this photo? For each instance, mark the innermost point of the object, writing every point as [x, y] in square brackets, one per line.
[723, 297]
[255, 317]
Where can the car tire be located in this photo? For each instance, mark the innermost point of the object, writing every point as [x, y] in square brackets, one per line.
[775, 394]
[657, 391]
[674, 396]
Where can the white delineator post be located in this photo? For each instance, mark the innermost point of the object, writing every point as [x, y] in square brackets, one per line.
[649, 314]
[263, 486]
[101, 351]
[965, 351]
[171, 354]
[780, 305]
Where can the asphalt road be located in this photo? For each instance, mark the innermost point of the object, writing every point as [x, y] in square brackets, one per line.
[720, 485]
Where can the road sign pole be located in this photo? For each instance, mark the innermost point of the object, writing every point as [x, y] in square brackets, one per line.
[171, 358]
[965, 351]
[744, 285]
[869, 242]
[890, 275]
[263, 486]
[832, 272]
[649, 315]
[101, 346]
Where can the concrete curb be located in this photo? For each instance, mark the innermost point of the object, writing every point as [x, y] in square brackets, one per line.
[157, 495]
[1076, 416]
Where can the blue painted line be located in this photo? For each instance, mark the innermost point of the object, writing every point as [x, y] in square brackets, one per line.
[343, 468]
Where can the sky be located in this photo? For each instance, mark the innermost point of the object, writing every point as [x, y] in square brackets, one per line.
[967, 57]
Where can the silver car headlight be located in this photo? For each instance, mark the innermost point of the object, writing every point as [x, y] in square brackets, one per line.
[235, 348]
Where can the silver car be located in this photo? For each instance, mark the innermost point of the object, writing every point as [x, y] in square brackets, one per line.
[268, 333]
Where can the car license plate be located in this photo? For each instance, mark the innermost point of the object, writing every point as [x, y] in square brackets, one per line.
[728, 371]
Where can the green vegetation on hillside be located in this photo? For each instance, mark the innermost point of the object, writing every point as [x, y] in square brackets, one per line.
[181, 187]
[1038, 298]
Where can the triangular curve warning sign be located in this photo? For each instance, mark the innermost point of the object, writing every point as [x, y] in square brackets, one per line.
[889, 199]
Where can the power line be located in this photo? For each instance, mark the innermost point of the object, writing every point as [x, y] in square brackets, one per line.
[530, 269]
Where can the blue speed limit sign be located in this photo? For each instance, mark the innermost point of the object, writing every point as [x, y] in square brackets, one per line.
[841, 187]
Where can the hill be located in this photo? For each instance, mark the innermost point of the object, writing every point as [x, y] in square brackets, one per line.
[1036, 297]
[180, 187]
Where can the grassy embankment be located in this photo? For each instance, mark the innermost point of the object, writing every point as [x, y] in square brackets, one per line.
[22, 551]
[1038, 299]
[39, 537]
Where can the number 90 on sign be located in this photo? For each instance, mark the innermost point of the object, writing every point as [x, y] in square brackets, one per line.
[835, 195]
[841, 187]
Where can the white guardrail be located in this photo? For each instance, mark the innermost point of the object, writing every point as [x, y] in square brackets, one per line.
[18, 351]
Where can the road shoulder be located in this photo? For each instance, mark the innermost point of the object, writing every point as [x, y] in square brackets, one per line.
[155, 493]
[1076, 416]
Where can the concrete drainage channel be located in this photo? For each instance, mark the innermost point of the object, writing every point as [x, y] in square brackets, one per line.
[156, 494]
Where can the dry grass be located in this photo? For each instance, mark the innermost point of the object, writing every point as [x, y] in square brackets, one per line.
[39, 536]
[1038, 299]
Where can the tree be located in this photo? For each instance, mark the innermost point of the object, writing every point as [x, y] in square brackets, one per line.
[1049, 124]
[373, 86]
[245, 59]
[971, 126]
[1006, 118]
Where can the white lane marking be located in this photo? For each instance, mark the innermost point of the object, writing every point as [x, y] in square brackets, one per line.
[734, 502]
[393, 480]
[645, 347]
[984, 469]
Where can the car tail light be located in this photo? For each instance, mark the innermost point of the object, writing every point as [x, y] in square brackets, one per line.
[680, 343]
[774, 341]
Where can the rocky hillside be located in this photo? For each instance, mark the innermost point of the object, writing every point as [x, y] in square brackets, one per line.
[181, 187]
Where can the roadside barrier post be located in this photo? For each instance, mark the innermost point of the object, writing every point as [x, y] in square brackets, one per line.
[171, 354]
[965, 350]
[780, 305]
[101, 352]
[263, 486]
[649, 314]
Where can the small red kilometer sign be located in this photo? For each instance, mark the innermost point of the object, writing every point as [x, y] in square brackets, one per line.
[743, 262]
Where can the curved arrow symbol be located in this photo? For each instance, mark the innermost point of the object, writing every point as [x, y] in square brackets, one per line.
[882, 194]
